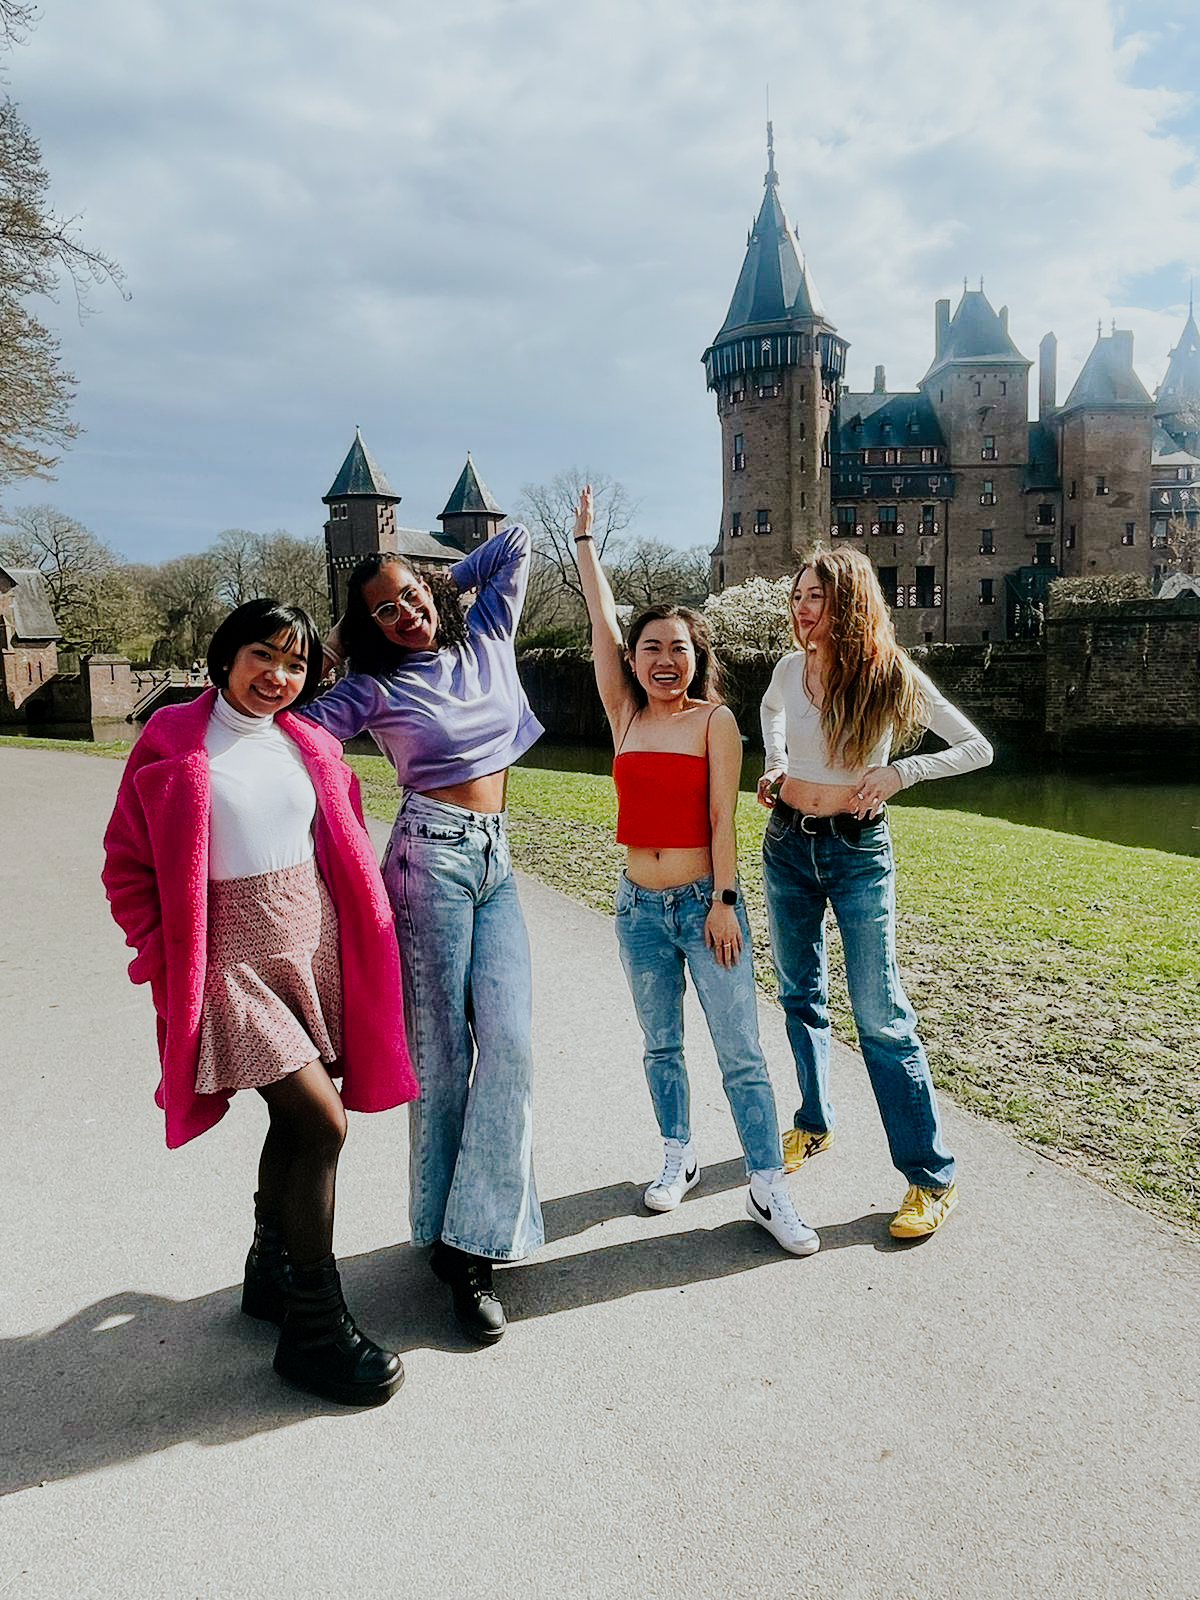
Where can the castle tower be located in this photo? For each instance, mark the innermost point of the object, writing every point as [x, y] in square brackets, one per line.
[471, 515]
[362, 519]
[1106, 433]
[1177, 405]
[774, 367]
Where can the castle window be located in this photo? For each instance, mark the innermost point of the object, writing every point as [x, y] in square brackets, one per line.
[988, 497]
[1043, 555]
[1070, 539]
[885, 520]
[1128, 536]
[987, 591]
[887, 582]
[891, 458]
[978, 388]
[928, 593]
[762, 521]
[1158, 531]
[987, 541]
[739, 452]
[929, 520]
[737, 389]
[1071, 491]
[1101, 486]
[926, 458]
[847, 521]
[988, 453]
[1003, 386]
[1045, 515]
[1183, 474]
[735, 524]
[768, 385]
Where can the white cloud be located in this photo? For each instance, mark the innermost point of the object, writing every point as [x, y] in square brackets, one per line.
[514, 225]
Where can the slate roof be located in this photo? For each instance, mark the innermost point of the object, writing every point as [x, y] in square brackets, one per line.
[774, 285]
[420, 545]
[1108, 380]
[1167, 452]
[470, 495]
[360, 474]
[976, 334]
[28, 604]
[1181, 386]
[873, 421]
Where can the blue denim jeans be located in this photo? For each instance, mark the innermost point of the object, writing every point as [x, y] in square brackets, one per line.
[658, 931]
[802, 874]
[468, 998]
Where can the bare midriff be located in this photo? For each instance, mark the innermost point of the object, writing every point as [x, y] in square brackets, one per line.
[484, 794]
[666, 869]
[817, 799]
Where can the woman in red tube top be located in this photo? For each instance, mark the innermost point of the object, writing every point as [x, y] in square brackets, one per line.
[678, 758]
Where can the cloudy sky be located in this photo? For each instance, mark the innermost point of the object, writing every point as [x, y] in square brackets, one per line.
[512, 226]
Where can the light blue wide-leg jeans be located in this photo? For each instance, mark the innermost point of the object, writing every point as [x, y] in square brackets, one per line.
[468, 998]
[802, 873]
[658, 933]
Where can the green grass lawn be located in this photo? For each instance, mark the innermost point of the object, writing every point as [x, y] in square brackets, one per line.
[1057, 978]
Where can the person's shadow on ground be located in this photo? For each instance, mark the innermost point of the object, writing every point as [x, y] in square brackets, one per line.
[136, 1373]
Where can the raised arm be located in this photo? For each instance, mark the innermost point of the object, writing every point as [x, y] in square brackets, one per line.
[608, 647]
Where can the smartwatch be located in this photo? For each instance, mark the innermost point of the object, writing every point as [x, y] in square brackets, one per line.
[727, 897]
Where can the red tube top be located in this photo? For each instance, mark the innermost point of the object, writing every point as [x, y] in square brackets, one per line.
[662, 800]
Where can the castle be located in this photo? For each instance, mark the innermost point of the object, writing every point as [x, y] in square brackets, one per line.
[966, 507]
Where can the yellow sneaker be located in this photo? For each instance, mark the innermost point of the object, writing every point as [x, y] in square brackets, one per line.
[922, 1211]
[799, 1144]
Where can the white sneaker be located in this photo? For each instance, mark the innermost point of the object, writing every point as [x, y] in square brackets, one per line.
[681, 1172]
[770, 1205]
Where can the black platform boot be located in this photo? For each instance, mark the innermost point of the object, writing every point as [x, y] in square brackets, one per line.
[476, 1304]
[320, 1350]
[268, 1270]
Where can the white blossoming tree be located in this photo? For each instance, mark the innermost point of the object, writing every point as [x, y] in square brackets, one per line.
[751, 619]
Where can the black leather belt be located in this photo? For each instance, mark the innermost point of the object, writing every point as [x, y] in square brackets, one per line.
[845, 825]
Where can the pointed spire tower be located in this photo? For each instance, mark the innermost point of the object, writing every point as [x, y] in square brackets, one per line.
[1177, 405]
[775, 367]
[362, 518]
[471, 515]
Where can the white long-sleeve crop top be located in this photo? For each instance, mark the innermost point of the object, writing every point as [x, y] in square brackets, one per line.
[793, 738]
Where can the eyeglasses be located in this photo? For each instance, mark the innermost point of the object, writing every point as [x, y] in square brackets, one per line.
[408, 599]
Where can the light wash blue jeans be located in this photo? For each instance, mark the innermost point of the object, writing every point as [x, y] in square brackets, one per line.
[658, 931]
[803, 873]
[468, 997]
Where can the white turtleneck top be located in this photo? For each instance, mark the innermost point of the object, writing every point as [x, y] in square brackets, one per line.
[263, 801]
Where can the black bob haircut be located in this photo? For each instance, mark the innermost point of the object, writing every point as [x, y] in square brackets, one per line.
[258, 622]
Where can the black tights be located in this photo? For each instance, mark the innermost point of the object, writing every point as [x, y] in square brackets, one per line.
[297, 1170]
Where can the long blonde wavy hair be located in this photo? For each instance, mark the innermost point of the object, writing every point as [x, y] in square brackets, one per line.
[872, 684]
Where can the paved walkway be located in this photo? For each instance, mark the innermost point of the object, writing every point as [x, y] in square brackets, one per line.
[1007, 1410]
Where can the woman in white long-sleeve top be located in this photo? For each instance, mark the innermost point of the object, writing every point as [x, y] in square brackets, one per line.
[835, 709]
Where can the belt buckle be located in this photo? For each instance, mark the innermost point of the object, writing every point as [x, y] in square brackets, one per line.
[804, 828]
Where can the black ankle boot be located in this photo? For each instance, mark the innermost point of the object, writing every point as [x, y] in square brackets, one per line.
[268, 1270]
[476, 1304]
[321, 1350]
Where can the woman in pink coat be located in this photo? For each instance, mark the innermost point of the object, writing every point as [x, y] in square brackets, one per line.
[240, 871]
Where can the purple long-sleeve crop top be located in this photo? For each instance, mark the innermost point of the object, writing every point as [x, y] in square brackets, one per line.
[446, 716]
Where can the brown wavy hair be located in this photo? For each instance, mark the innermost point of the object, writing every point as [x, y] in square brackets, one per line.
[706, 680]
[872, 685]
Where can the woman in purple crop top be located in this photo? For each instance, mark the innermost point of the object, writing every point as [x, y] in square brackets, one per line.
[678, 902]
[438, 690]
[830, 716]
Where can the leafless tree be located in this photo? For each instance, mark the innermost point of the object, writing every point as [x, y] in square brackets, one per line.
[184, 595]
[548, 510]
[97, 600]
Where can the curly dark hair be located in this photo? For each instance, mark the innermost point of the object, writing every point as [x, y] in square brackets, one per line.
[367, 647]
[258, 622]
[706, 682]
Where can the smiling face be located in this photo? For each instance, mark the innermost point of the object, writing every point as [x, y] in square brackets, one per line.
[664, 658]
[267, 675]
[402, 607]
[810, 610]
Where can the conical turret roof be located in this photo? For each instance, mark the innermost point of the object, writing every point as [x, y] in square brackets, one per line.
[774, 285]
[1181, 386]
[470, 496]
[360, 474]
[976, 333]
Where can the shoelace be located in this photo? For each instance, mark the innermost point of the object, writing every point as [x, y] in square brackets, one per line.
[785, 1208]
[672, 1167]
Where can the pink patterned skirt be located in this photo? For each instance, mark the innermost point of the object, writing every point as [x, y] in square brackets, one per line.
[273, 991]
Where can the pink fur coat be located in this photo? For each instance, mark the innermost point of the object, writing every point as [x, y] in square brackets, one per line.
[156, 877]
